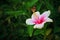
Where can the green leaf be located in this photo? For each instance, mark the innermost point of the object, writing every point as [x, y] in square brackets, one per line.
[39, 6]
[30, 3]
[39, 31]
[48, 31]
[15, 13]
[30, 30]
[48, 5]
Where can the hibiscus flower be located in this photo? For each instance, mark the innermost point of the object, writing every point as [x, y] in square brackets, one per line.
[38, 20]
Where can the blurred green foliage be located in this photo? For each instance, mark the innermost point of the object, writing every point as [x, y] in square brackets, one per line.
[13, 14]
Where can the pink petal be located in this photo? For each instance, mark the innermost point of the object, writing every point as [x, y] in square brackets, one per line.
[46, 13]
[35, 15]
[44, 16]
[49, 20]
[29, 22]
[39, 26]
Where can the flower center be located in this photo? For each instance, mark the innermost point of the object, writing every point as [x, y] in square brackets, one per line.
[39, 20]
